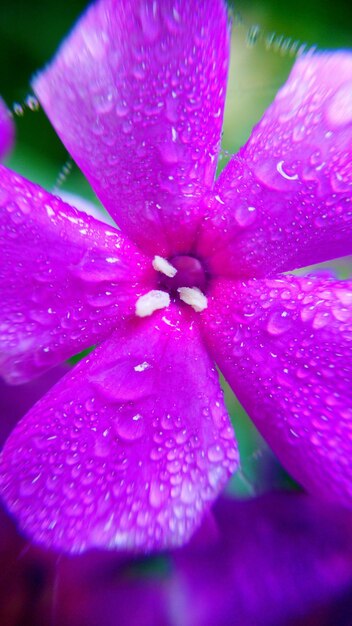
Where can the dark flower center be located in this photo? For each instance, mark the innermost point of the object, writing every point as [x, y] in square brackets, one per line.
[190, 273]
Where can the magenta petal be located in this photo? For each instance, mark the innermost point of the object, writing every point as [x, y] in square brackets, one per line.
[128, 450]
[66, 279]
[137, 94]
[284, 201]
[7, 130]
[285, 347]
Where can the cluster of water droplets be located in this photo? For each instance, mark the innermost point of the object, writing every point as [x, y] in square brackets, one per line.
[76, 290]
[30, 103]
[255, 34]
[141, 469]
[312, 146]
[168, 111]
[288, 354]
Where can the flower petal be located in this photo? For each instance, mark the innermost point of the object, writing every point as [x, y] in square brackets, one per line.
[285, 347]
[285, 200]
[136, 94]
[129, 450]
[7, 129]
[66, 279]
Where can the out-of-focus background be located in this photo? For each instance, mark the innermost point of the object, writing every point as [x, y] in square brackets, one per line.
[266, 36]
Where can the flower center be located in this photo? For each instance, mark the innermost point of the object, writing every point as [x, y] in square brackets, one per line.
[182, 277]
[190, 273]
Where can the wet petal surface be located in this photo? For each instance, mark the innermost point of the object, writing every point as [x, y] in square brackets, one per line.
[66, 279]
[128, 450]
[285, 201]
[285, 347]
[137, 93]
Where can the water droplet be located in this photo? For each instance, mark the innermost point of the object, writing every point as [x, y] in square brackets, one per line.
[278, 323]
[252, 35]
[32, 103]
[215, 476]
[158, 494]
[188, 492]
[122, 109]
[215, 453]
[29, 486]
[121, 383]
[339, 108]
[18, 109]
[149, 16]
[103, 102]
[245, 215]
[130, 427]
[344, 295]
[101, 299]
[282, 172]
[321, 319]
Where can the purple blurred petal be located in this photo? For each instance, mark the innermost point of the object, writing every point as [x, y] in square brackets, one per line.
[7, 130]
[137, 94]
[284, 346]
[15, 401]
[25, 580]
[277, 558]
[284, 201]
[127, 451]
[66, 279]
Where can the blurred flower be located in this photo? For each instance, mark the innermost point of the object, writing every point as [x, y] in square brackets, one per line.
[7, 130]
[270, 561]
[274, 559]
[25, 571]
[130, 449]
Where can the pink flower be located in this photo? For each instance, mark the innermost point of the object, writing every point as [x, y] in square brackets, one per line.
[133, 446]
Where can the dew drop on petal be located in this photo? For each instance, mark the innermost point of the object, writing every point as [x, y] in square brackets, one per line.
[215, 453]
[340, 107]
[130, 426]
[245, 215]
[158, 494]
[278, 323]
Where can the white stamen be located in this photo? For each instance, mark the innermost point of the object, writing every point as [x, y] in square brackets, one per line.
[162, 265]
[194, 297]
[152, 301]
